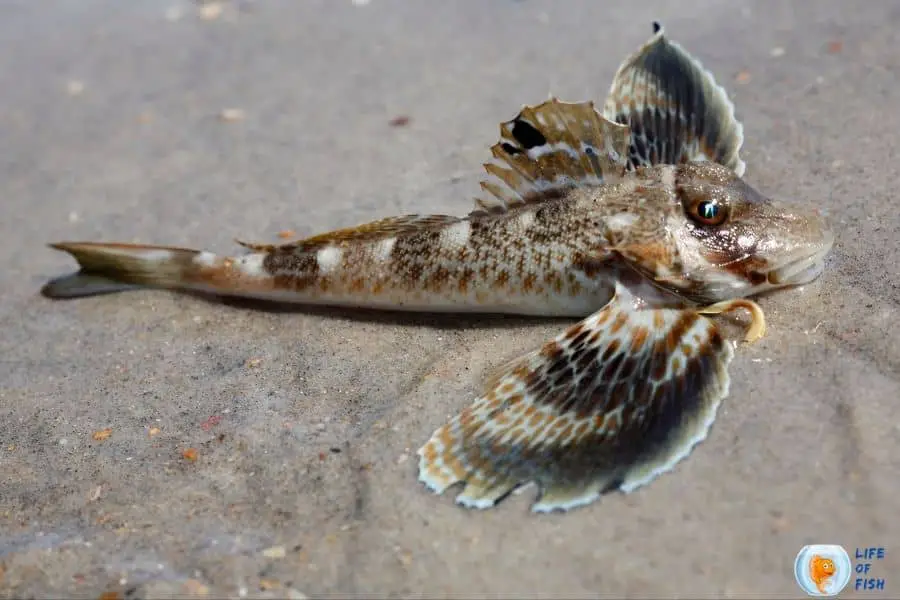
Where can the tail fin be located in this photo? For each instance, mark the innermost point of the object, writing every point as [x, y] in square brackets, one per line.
[108, 268]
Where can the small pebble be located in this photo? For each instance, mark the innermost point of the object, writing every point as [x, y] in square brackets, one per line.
[275, 552]
[210, 10]
[404, 556]
[75, 88]
[195, 588]
[95, 495]
[231, 114]
[101, 435]
[268, 584]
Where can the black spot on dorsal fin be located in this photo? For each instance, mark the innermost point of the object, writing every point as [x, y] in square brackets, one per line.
[548, 149]
[527, 134]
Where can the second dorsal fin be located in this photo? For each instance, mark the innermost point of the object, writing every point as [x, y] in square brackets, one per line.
[549, 148]
[376, 230]
[675, 109]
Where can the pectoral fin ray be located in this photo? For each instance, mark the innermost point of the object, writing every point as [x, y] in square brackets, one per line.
[610, 403]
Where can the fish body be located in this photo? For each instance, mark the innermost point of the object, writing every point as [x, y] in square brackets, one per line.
[636, 219]
[821, 570]
[559, 257]
[553, 259]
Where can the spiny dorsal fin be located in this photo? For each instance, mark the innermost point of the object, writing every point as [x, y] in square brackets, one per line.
[676, 110]
[548, 149]
[376, 230]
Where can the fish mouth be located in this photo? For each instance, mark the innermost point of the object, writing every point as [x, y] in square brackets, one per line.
[804, 269]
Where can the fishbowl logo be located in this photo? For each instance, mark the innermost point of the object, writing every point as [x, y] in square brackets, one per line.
[823, 569]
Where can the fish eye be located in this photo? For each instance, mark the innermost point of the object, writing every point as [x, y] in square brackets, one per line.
[708, 212]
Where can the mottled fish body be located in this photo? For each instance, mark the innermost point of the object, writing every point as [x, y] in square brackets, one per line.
[556, 258]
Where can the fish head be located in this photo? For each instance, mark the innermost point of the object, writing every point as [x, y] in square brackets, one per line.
[730, 241]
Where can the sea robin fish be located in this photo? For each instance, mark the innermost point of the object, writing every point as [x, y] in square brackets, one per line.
[636, 218]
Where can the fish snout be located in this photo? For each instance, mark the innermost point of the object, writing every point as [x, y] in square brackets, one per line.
[812, 238]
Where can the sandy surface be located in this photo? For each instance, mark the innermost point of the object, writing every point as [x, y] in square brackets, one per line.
[305, 424]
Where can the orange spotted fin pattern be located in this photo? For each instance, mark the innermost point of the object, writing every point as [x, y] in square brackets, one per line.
[609, 404]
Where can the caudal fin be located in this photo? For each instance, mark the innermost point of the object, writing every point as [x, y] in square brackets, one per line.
[108, 268]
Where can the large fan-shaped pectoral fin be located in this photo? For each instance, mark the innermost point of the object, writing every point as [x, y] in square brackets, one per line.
[611, 403]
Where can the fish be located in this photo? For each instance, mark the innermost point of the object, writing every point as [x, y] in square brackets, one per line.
[634, 218]
[821, 570]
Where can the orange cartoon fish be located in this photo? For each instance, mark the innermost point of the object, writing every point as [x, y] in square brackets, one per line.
[821, 570]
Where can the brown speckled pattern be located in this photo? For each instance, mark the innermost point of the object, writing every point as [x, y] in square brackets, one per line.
[610, 403]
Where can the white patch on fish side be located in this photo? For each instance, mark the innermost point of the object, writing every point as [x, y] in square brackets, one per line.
[383, 249]
[251, 264]
[329, 258]
[153, 254]
[621, 221]
[456, 234]
[205, 259]
[526, 219]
